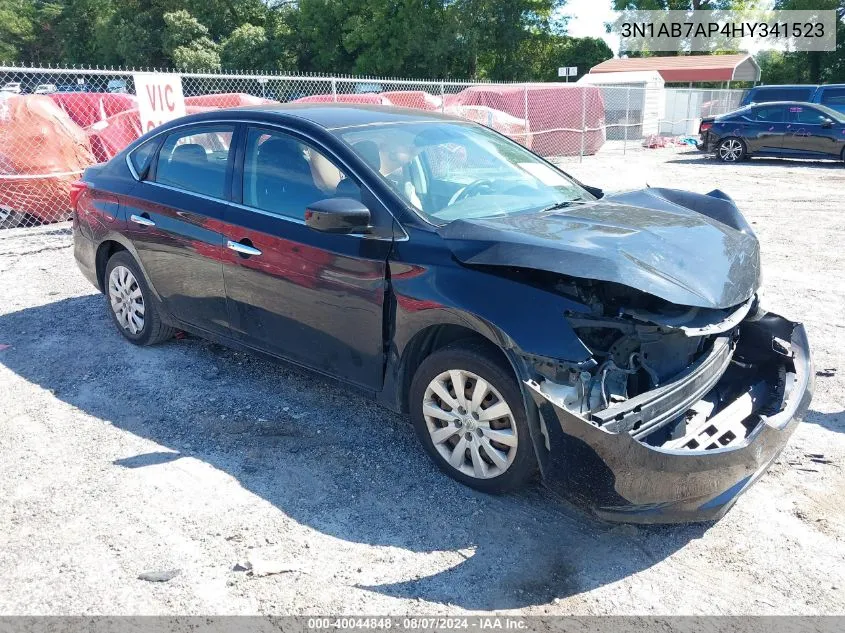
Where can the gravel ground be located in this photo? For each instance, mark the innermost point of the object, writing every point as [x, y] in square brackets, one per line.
[188, 458]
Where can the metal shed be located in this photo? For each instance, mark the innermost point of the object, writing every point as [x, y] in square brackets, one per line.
[688, 68]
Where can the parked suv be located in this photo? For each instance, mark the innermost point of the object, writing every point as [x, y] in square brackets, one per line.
[830, 95]
[765, 94]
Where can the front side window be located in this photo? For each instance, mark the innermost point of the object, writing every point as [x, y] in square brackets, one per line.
[195, 160]
[283, 175]
[808, 116]
[451, 171]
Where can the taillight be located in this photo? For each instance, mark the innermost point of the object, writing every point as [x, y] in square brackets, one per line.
[76, 189]
[705, 125]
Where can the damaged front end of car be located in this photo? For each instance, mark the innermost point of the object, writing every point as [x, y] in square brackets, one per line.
[677, 411]
[683, 389]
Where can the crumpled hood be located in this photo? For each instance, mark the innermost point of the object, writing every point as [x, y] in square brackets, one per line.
[689, 249]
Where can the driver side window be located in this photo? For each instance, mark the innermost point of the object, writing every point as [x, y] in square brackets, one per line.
[808, 116]
[283, 175]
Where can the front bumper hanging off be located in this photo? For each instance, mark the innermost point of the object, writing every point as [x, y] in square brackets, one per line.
[605, 463]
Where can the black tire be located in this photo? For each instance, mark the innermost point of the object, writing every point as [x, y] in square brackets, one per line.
[484, 363]
[153, 330]
[731, 150]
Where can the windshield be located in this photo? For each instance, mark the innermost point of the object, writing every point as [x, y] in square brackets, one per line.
[452, 171]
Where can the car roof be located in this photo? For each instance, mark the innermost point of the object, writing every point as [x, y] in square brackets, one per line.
[782, 103]
[333, 116]
[777, 86]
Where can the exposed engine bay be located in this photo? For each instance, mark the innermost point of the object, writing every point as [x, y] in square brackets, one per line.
[670, 376]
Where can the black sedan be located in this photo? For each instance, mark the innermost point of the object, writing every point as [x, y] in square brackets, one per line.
[784, 129]
[526, 322]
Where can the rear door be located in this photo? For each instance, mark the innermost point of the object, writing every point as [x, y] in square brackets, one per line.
[174, 217]
[808, 135]
[314, 298]
[766, 128]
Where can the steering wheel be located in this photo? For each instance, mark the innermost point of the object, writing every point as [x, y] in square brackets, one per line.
[472, 189]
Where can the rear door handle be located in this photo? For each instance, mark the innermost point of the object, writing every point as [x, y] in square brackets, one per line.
[243, 249]
[139, 219]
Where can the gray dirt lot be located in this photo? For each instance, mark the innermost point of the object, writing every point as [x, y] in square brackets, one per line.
[116, 461]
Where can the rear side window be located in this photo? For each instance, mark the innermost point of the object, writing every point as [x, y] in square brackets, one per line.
[770, 114]
[143, 156]
[195, 160]
[781, 94]
[833, 96]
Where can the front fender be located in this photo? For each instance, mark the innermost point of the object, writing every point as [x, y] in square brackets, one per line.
[521, 320]
[513, 315]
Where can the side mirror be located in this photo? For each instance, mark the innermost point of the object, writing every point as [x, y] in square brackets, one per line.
[827, 123]
[338, 215]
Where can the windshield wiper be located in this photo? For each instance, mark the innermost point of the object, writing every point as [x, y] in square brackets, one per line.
[560, 205]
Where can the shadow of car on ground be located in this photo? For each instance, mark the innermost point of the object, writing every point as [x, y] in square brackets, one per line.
[697, 157]
[328, 458]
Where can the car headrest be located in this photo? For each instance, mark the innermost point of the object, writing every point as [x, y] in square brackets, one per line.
[189, 152]
[369, 151]
[282, 153]
[347, 188]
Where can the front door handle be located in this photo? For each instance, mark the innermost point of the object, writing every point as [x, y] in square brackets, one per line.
[143, 221]
[242, 249]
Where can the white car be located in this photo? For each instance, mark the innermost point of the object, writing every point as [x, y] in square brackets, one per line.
[45, 89]
[13, 87]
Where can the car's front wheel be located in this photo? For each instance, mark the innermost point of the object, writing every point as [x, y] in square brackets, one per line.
[130, 303]
[468, 413]
[730, 150]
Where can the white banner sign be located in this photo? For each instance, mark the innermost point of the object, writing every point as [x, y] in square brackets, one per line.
[160, 98]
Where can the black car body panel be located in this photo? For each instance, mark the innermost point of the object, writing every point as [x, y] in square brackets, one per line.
[651, 240]
[668, 275]
[786, 129]
[628, 480]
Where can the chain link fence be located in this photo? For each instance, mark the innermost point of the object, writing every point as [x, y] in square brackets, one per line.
[55, 122]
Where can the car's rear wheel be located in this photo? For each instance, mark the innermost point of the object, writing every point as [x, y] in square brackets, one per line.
[468, 413]
[129, 302]
[731, 150]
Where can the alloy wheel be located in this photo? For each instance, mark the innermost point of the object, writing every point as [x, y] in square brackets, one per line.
[127, 300]
[730, 150]
[470, 424]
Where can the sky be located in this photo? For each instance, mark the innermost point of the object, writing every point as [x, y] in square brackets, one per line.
[587, 19]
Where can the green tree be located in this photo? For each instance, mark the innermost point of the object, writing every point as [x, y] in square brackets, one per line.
[815, 66]
[548, 52]
[186, 42]
[247, 48]
[494, 33]
[17, 29]
[319, 27]
[83, 31]
[410, 38]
